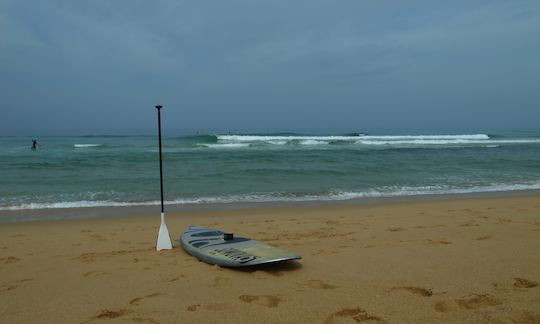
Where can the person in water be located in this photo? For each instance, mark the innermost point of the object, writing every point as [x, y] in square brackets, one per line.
[34, 144]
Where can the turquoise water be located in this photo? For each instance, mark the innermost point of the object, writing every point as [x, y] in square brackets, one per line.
[89, 171]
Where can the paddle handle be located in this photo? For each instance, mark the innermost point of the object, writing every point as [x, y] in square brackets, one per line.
[158, 107]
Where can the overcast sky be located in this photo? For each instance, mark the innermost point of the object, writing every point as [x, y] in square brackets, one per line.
[99, 66]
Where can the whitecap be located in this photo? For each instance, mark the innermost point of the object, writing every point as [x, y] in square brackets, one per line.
[86, 145]
[313, 142]
[225, 145]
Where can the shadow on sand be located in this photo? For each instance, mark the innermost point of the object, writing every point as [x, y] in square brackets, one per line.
[273, 268]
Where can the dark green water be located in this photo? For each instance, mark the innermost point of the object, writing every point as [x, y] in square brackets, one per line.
[124, 170]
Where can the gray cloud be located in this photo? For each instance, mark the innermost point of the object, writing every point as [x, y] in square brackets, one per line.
[100, 66]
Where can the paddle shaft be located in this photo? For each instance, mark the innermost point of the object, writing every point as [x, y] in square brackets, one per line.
[158, 107]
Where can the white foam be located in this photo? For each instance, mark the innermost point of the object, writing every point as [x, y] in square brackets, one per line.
[277, 142]
[256, 138]
[391, 191]
[225, 145]
[86, 145]
[428, 137]
[433, 190]
[313, 142]
[365, 139]
[418, 142]
[376, 140]
[73, 204]
[446, 142]
[262, 138]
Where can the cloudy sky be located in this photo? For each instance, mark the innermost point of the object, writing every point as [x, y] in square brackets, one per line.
[70, 67]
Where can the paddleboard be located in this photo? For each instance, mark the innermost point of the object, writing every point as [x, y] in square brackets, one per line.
[224, 249]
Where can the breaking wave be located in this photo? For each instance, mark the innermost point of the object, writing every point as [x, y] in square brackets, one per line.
[86, 145]
[388, 191]
[234, 141]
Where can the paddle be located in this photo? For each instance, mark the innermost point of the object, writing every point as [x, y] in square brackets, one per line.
[163, 239]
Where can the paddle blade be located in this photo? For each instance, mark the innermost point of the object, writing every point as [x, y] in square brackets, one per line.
[163, 240]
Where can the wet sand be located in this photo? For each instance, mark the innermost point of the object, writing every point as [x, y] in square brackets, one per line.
[461, 260]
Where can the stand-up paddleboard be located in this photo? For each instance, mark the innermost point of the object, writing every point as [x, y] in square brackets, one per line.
[216, 247]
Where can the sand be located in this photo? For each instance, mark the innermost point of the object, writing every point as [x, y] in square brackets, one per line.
[453, 261]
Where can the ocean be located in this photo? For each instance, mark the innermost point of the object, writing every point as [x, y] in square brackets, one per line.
[89, 171]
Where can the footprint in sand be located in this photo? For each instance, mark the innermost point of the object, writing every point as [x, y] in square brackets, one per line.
[222, 282]
[482, 238]
[475, 301]
[332, 222]
[217, 307]
[524, 283]
[98, 237]
[442, 307]
[94, 273]
[323, 252]
[317, 284]
[469, 224]
[415, 290]
[114, 313]
[135, 301]
[9, 259]
[193, 307]
[357, 314]
[443, 242]
[14, 285]
[264, 300]
[176, 278]
[213, 307]
[526, 318]
[145, 320]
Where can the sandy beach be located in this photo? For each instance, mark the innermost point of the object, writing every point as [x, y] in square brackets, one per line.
[452, 261]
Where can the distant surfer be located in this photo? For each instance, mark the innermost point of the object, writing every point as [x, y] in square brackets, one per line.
[34, 145]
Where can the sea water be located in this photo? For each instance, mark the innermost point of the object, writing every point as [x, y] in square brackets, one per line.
[85, 171]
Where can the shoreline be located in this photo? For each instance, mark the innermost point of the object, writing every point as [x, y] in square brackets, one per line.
[55, 214]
